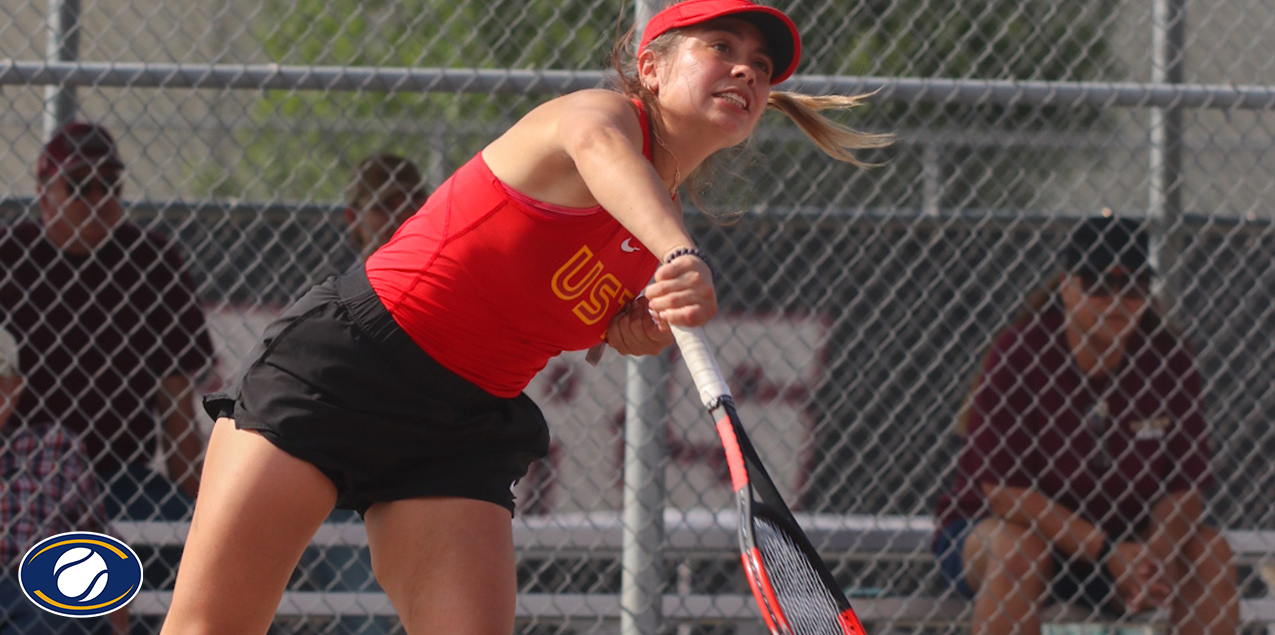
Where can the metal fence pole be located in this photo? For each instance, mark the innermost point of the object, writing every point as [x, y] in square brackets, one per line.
[1168, 39]
[63, 46]
[645, 457]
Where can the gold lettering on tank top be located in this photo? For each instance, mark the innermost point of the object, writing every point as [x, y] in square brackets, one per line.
[568, 283]
[583, 276]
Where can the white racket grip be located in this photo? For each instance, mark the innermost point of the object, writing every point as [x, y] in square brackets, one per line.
[702, 364]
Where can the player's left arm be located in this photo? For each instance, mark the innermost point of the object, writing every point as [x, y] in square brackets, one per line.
[182, 442]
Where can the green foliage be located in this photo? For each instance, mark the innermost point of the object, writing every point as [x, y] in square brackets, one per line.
[1030, 40]
[968, 39]
[304, 142]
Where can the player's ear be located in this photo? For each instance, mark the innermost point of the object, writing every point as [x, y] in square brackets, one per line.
[350, 216]
[648, 67]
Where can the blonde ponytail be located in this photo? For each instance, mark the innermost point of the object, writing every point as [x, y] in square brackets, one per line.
[836, 140]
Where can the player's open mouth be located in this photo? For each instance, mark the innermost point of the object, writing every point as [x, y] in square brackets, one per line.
[734, 99]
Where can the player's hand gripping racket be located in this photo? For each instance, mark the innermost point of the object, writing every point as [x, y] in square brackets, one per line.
[794, 588]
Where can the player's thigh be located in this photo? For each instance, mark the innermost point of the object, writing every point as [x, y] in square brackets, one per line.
[446, 563]
[257, 509]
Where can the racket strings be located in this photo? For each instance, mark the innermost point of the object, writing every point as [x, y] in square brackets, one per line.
[807, 604]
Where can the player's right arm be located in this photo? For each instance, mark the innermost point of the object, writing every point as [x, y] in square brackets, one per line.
[585, 149]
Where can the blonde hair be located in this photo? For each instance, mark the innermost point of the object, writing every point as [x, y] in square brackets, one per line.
[834, 139]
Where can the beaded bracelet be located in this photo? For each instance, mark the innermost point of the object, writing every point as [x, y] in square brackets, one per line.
[691, 251]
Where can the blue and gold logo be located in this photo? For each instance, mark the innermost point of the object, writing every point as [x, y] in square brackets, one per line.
[80, 574]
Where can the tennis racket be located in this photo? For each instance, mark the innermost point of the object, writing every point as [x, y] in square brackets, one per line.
[794, 588]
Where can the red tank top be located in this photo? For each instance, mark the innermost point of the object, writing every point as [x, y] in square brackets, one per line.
[492, 283]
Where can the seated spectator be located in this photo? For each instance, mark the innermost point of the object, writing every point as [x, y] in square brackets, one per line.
[1083, 473]
[48, 489]
[385, 191]
[111, 332]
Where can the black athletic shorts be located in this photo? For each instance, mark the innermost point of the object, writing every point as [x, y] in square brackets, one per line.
[337, 383]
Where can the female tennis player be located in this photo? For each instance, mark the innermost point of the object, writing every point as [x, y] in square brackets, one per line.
[396, 389]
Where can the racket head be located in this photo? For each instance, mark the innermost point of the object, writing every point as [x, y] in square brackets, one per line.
[794, 588]
[791, 582]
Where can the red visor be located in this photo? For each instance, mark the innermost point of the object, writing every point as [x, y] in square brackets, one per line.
[778, 29]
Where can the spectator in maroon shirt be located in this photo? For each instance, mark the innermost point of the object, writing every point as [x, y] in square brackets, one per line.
[1086, 456]
[111, 333]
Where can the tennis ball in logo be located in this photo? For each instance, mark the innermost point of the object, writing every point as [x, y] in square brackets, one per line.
[80, 573]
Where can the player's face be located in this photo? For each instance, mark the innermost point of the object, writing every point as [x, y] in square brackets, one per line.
[720, 71]
[81, 206]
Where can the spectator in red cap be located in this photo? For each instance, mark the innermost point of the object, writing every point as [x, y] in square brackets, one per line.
[1086, 457]
[80, 175]
[111, 331]
[396, 390]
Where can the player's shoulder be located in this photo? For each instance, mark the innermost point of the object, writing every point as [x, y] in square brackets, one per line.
[598, 97]
[566, 121]
[593, 104]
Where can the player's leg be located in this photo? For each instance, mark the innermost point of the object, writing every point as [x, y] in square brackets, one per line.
[1009, 568]
[257, 509]
[1206, 598]
[447, 564]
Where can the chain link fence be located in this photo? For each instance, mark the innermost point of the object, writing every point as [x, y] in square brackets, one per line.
[856, 304]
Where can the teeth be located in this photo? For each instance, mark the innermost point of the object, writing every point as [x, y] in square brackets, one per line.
[734, 99]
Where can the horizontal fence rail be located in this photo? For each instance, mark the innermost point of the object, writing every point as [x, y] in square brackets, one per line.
[856, 306]
[691, 535]
[510, 81]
